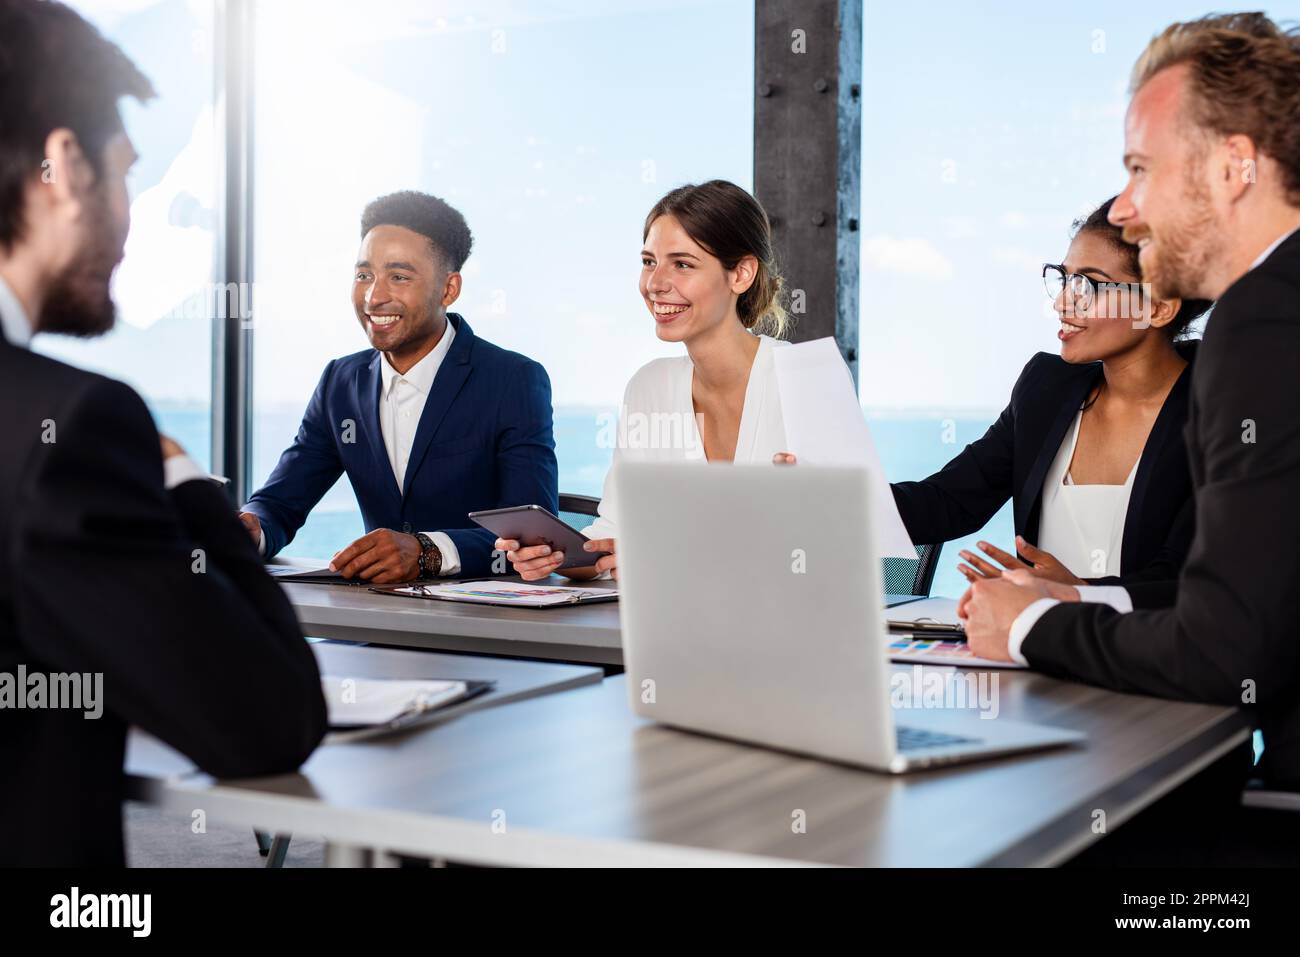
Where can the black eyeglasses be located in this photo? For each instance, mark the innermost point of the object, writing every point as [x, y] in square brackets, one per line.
[1083, 289]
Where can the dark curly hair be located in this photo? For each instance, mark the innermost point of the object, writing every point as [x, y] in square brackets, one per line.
[431, 217]
[56, 71]
[1098, 224]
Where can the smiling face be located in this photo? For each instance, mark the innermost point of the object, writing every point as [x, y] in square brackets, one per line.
[1117, 319]
[685, 287]
[401, 291]
[1167, 207]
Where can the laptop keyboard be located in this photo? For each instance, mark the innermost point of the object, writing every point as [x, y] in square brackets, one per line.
[918, 739]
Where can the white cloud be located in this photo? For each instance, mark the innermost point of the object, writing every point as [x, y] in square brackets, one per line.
[1016, 257]
[909, 256]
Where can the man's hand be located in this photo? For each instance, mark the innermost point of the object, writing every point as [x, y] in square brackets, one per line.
[253, 525]
[991, 605]
[170, 447]
[1042, 565]
[381, 557]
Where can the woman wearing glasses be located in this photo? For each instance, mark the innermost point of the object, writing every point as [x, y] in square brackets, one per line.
[1090, 448]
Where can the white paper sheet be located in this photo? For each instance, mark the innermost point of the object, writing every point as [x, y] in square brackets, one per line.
[371, 701]
[824, 425]
[936, 610]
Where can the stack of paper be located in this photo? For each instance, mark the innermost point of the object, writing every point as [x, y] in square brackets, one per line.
[824, 425]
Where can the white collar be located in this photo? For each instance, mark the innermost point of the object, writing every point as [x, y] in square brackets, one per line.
[1268, 252]
[14, 324]
[421, 374]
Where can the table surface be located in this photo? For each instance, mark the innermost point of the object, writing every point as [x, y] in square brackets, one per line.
[575, 778]
[513, 681]
[574, 633]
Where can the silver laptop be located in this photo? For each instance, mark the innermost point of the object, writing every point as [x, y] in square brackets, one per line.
[752, 609]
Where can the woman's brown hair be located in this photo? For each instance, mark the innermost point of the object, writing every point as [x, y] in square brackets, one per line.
[731, 224]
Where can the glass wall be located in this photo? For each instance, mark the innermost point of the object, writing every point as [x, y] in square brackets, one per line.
[553, 127]
[986, 131]
[164, 292]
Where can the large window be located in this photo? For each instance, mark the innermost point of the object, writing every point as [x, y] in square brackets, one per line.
[164, 292]
[986, 131]
[553, 127]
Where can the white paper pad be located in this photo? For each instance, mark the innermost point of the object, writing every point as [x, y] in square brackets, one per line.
[504, 593]
[939, 611]
[372, 701]
[824, 426]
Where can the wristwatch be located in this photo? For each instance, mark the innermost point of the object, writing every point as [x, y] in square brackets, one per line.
[430, 560]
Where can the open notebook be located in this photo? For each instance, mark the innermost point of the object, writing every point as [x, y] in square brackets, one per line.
[362, 707]
[496, 592]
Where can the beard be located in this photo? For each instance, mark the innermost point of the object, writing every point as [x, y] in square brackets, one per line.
[78, 302]
[1178, 262]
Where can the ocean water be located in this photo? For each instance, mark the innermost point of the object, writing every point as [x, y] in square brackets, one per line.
[910, 448]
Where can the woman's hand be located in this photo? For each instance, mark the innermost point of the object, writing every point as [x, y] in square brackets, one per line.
[1042, 564]
[607, 563]
[538, 561]
[784, 458]
[531, 563]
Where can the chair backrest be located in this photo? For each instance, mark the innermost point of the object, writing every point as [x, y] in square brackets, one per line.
[578, 510]
[903, 576]
[912, 576]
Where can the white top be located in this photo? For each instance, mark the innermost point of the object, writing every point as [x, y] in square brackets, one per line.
[657, 423]
[1083, 525]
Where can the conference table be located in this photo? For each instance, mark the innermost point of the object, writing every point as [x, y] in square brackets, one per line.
[574, 778]
[568, 633]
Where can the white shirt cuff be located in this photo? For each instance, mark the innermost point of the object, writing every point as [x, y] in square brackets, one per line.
[179, 469]
[1021, 627]
[261, 542]
[450, 553]
[1114, 595]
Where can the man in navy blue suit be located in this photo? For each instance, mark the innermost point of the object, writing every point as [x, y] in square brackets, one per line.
[429, 424]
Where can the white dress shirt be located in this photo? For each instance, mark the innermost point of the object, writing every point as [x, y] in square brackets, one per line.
[657, 423]
[1113, 595]
[401, 403]
[14, 324]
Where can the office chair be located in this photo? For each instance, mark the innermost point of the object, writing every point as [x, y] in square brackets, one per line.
[912, 576]
[578, 510]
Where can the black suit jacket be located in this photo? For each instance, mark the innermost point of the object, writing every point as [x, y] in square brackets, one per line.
[1231, 636]
[98, 573]
[1012, 458]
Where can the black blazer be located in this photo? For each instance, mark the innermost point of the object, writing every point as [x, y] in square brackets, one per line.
[1232, 636]
[98, 574]
[1012, 458]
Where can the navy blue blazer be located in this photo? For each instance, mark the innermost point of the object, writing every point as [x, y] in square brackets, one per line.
[484, 440]
[1011, 461]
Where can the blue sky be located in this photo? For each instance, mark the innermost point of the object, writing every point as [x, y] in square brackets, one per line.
[555, 125]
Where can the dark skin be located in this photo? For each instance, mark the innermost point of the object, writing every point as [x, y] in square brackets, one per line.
[398, 277]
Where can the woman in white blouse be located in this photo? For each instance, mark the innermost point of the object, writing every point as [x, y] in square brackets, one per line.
[709, 280]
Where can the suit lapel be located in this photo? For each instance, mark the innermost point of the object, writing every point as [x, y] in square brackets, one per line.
[365, 400]
[1027, 504]
[447, 384]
